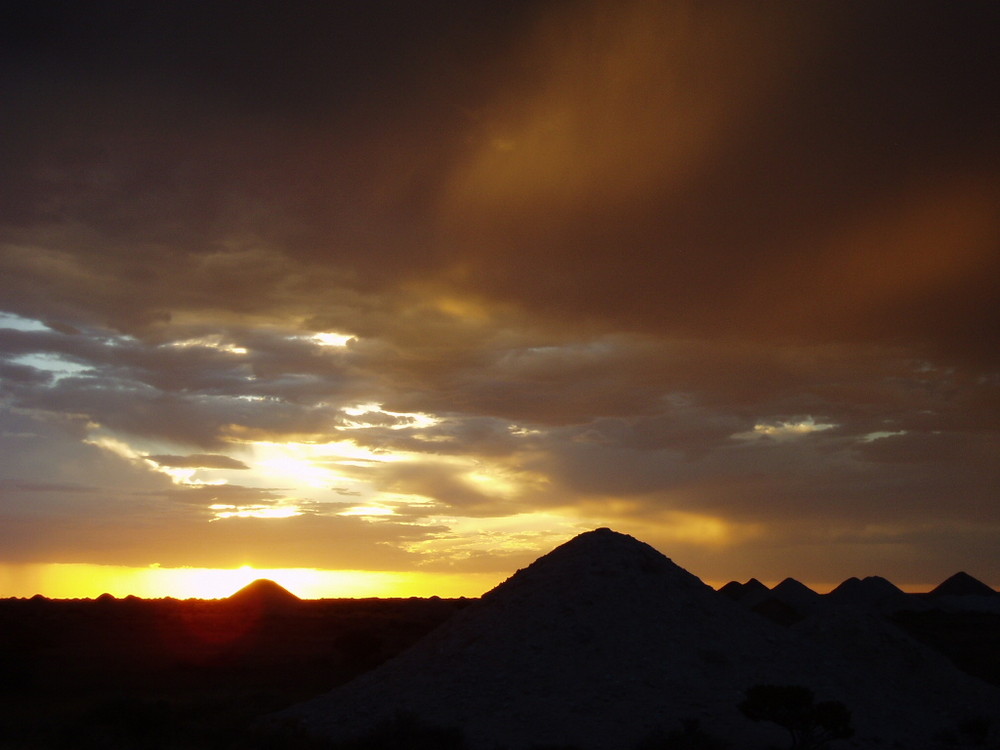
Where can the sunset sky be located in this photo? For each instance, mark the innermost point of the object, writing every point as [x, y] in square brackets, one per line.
[411, 292]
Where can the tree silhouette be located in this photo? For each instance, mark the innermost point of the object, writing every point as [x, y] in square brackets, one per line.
[811, 725]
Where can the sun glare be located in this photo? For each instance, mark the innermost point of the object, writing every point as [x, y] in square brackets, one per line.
[84, 581]
[254, 511]
[332, 339]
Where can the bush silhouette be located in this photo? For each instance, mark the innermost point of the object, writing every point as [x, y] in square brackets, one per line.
[689, 737]
[811, 725]
[407, 732]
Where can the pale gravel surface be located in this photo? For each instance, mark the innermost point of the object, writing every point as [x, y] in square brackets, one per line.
[604, 639]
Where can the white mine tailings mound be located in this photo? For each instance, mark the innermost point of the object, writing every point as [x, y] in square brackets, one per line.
[604, 639]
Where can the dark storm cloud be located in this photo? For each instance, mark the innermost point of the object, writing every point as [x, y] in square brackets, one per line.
[12, 374]
[620, 252]
[659, 165]
[824, 174]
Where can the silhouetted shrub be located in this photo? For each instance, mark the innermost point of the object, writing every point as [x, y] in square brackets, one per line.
[121, 722]
[811, 725]
[406, 731]
[976, 730]
[287, 735]
[689, 737]
[973, 732]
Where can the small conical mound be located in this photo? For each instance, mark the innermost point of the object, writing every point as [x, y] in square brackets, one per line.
[797, 596]
[733, 589]
[873, 592]
[962, 584]
[754, 592]
[794, 592]
[846, 586]
[755, 587]
[868, 587]
[264, 593]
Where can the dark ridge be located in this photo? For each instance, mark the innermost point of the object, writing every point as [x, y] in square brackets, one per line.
[739, 591]
[962, 584]
[733, 589]
[604, 640]
[599, 553]
[778, 612]
[264, 592]
[791, 590]
[869, 586]
[791, 584]
[753, 593]
[849, 584]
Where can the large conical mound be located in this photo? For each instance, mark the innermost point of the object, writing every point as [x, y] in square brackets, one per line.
[596, 559]
[595, 645]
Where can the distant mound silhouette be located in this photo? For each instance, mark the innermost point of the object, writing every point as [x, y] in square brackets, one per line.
[795, 593]
[264, 593]
[733, 589]
[869, 586]
[604, 640]
[871, 592]
[962, 584]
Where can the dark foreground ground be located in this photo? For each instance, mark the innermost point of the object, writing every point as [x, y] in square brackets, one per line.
[152, 674]
[169, 674]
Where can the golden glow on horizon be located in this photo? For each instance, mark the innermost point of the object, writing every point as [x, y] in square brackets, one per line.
[407, 419]
[697, 528]
[254, 511]
[85, 581]
[180, 475]
[783, 430]
[527, 534]
[368, 510]
[212, 341]
[332, 339]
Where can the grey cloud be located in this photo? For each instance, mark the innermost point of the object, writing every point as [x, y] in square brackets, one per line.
[203, 496]
[42, 447]
[199, 461]
[595, 243]
[454, 435]
[14, 373]
[442, 485]
[203, 421]
[54, 487]
[300, 541]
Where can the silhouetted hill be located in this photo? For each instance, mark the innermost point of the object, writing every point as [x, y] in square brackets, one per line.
[791, 591]
[733, 589]
[872, 592]
[962, 584]
[265, 594]
[195, 672]
[750, 593]
[786, 603]
[604, 640]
